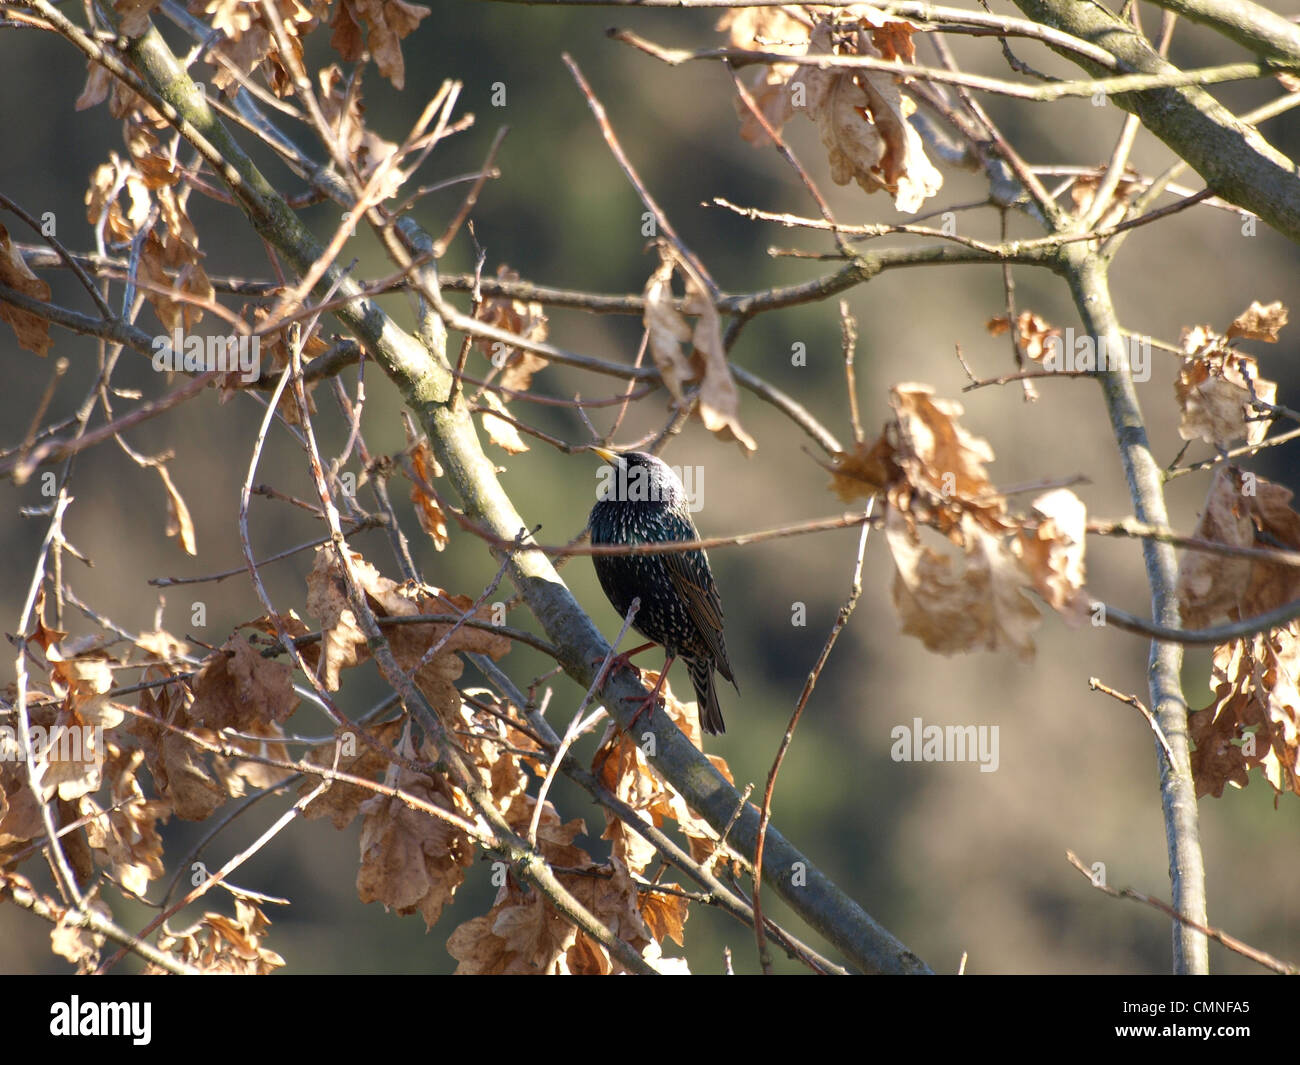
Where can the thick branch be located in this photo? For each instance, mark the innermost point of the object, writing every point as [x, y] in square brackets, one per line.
[1264, 32]
[1233, 158]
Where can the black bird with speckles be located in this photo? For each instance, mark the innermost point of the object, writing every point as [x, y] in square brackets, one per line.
[680, 607]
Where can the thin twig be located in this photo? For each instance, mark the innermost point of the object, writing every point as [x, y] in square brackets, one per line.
[1231, 942]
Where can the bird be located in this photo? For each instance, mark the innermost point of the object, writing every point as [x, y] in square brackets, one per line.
[681, 610]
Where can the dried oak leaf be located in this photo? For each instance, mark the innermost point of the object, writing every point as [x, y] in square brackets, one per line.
[109, 183]
[1215, 390]
[125, 836]
[866, 470]
[861, 115]
[1052, 552]
[427, 511]
[179, 522]
[1255, 682]
[411, 860]
[341, 104]
[940, 457]
[342, 643]
[525, 319]
[341, 802]
[76, 943]
[245, 40]
[31, 331]
[623, 768]
[1033, 333]
[1214, 586]
[1272, 584]
[768, 29]
[961, 602]
[387, 21]
[862, 119]
[238, 689]
[665, 914]
[704, 361]
[20, 810]
[1259, 322]
[180, 771]
[219, 944]
[501, 432]
[1241, 510]
[613, 901]
[522, 932]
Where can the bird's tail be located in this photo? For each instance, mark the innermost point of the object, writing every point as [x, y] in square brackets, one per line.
[706, 695]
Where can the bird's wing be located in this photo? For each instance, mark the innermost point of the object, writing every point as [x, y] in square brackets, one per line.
[689, 573]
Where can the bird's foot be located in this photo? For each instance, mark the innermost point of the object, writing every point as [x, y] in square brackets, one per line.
[618, 663]
[648, 704]
[648, 701]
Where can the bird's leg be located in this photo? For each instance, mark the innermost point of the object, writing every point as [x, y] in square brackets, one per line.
[647, 701]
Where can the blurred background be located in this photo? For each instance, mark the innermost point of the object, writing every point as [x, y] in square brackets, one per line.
[949, 859]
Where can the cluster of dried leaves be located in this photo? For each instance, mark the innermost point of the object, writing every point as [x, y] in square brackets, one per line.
[90, 753]
[192, 742]
[1253, 720]
[964, 564]
[861, 115]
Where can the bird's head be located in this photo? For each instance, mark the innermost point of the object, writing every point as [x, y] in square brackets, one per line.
[636, 477]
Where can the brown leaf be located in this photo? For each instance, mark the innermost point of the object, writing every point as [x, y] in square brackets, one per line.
[220, 944]
[956, 603]
[341, 104]
[769, 29]
[866, 470]
[31, 331]
[238, 689]
[341, 802]
[410, 860]
[1259, 322]
[1241, 510]
[79, 945]
[1254, 719]
[934, 449]
[125, 837]
[862, 118]
[499, 431]
[665, 915]
[1214, 393]
[622, 767]
[1052, 552]
[523, 319]
[1033, 334]
[178, 514]
[427, 511]
[718, 404]
[388, 21]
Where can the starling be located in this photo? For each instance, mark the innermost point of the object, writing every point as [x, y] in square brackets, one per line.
[680, 606]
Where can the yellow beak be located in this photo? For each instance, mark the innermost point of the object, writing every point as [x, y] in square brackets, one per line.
[606, 454]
